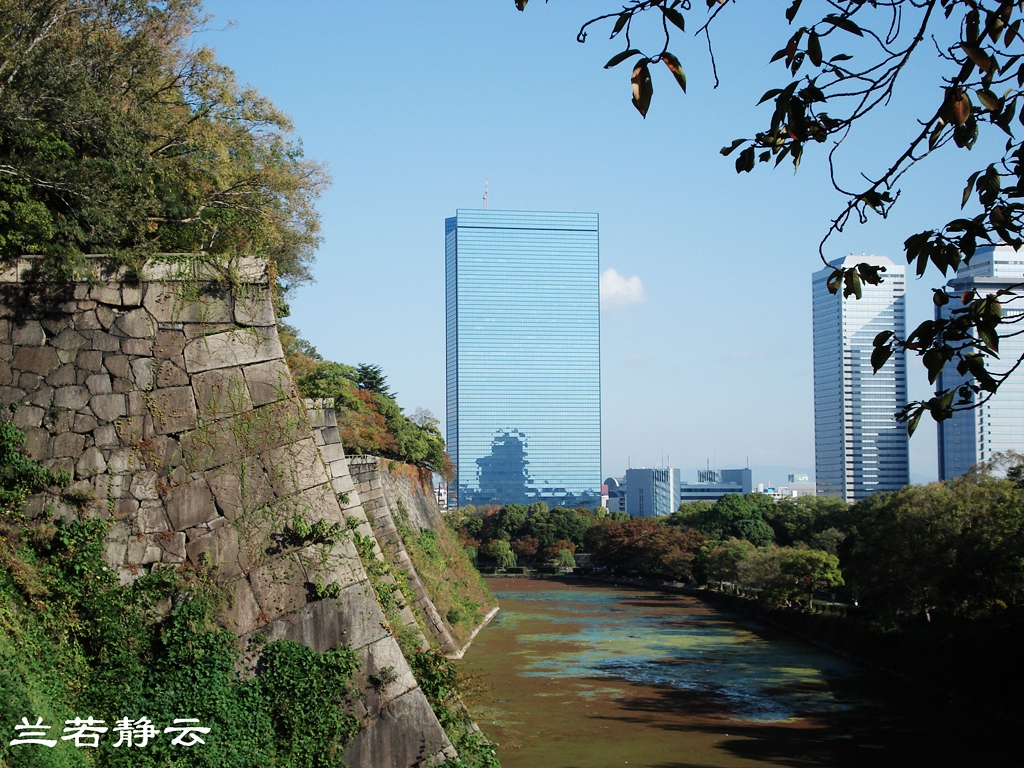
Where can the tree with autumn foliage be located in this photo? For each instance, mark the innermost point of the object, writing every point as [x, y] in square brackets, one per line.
[370, 421]
[650, 548]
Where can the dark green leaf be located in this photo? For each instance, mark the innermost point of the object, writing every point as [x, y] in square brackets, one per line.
[969, 188]
[792, 10]
[621, 57]
[882, 338]
[978, 56]
[814, 49]
[745, 161]
[675, 17]
[852, 285]
[619, 24]
[879, 357]
[843, 23]
[988, 100]
[726, 151]
[521, 4]
[913, 421]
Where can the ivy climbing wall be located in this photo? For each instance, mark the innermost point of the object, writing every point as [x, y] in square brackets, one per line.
[166, 396]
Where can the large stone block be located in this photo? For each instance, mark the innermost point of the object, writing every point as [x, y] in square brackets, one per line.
[279, 586]
[352, 619]
[68, 445]
[168, 374]
[137, 324]
[28, 416]
[104, 342]
[109, 407]
[69, 339]
[404, 734]
[221, 442]
[142, 372]
[293, 468]
[168, 302]
[39, 360]
[221, 392]
[189, 505]
[89, 360]
[211, 445]
[173, 410]
[253, 306]
[90, 463]
[174, 548]
[131, 295]
[144, 486]
[28, 334]
[242, 614]
[37, 441]
[232, 348]
[221, 546]
[117, 365]
[98, 384]
[125, 461]
[107, 293]
[63, 376]
[240, 487]
[106, 317]
[169, 344]
[268, 382]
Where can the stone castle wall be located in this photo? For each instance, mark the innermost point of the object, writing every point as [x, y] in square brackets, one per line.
[167, 398]
[381, 494]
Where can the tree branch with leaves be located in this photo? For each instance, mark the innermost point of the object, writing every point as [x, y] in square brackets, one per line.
[842, 62]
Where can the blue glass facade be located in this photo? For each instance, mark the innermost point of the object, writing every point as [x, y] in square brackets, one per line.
[859, 448]
[523, 357]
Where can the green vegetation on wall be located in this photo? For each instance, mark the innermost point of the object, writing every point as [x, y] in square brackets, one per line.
[441, 683]
[76, 643]
[454, 585]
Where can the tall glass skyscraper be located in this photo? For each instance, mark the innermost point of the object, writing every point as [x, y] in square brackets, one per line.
[523, 357]
[859, 448]
[971, 437]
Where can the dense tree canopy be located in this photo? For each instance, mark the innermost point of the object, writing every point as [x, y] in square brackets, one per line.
[119, 135]
[841, 64]
[952, 548]
[369, 419]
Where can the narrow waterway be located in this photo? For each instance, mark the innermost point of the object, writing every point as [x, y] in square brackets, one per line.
[588, 676]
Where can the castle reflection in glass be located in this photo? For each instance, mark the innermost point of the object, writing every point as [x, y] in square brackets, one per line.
[523, 357]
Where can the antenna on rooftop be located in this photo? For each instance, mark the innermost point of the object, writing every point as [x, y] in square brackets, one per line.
[485, 193]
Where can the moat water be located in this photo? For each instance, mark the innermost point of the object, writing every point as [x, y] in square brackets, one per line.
[589, 676]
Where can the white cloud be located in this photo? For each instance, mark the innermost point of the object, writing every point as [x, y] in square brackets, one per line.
[618, 292]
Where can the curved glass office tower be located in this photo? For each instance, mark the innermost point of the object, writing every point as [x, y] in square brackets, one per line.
[859, 448]
[523, 357]
[971, 437]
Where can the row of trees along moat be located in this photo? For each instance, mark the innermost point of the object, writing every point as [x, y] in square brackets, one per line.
[927, 581]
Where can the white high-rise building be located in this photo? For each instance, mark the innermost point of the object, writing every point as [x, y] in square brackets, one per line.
[859, 447]
[972, 436]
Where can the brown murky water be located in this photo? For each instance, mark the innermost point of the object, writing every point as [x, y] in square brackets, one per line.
[587, 676]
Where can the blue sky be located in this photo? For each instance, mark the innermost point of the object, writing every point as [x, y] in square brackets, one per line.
[413, 105]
